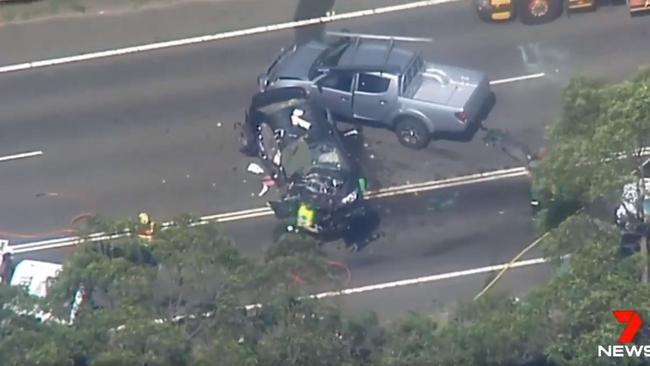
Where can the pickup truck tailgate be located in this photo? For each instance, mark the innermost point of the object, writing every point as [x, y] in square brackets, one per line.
[461, 89]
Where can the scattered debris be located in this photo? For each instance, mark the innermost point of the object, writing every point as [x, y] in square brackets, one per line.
[505, 142]
[277, 158]
[267, 183]
[264, 190]
[255, 169]
[440, 203]
[296, 119]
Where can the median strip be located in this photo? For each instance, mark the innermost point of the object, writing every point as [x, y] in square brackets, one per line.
[265, 211]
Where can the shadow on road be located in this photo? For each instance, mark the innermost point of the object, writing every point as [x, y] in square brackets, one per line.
[307, 9]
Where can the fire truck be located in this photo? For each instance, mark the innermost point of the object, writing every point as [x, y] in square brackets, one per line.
[543, 11]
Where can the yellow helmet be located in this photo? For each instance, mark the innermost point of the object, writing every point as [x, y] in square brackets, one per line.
[144, 218]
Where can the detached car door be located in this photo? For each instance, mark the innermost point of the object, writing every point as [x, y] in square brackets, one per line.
[375, 97]
[334, 91]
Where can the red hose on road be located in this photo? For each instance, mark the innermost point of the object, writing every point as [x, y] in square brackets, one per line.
[61, 232]
[298, 280]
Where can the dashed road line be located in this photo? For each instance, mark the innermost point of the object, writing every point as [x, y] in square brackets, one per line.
[24, 155]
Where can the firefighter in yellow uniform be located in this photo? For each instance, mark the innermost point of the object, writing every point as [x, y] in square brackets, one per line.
[306, 218]
[145, 227]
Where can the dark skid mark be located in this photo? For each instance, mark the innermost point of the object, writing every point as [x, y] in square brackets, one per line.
[308, 9]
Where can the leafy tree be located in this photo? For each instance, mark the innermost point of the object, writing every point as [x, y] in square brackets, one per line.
[179, 300]
[597, 145]
[577, 303]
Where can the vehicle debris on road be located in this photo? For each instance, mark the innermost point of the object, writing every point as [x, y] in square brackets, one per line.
[301, 148]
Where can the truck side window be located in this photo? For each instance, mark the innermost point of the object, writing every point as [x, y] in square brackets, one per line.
[374, 84]
[342, 82]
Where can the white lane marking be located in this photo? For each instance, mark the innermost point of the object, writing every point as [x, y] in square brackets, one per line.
[220, 36]
[400, 283]
[518, 78]
[265, 211]
[421, 280]
[24, 155]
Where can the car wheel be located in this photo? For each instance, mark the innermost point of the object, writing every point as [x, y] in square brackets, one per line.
[539, 11]
[412, 133]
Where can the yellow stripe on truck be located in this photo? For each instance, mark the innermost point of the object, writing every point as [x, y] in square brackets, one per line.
[505, 15]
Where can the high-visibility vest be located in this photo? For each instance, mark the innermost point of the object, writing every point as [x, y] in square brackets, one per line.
[305, 216]
[145, 231]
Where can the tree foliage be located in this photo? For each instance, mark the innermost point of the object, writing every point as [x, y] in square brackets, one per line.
[596, 145]
[190, 298]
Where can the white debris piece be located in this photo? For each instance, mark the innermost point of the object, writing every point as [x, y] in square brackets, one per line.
[277, 159]
[264, 190]
[296, 119]
[255, 168]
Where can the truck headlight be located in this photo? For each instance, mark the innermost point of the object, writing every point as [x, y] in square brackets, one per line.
[351, 197]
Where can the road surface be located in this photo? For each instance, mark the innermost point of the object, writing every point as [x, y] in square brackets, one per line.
[441, 231]
[154, 131]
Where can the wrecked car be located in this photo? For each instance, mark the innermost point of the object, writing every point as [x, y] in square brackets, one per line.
[367, 79]
[300, 146]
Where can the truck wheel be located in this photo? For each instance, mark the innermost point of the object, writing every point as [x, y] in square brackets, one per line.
[412, 133]
[539, 11]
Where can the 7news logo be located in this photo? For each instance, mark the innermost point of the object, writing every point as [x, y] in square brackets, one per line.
[633, 324]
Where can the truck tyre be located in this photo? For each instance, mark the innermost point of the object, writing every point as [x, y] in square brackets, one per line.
[412, 133]
[539, 11]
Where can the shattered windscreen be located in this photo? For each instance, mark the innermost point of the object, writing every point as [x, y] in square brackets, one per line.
[299, 158]
[296, 158]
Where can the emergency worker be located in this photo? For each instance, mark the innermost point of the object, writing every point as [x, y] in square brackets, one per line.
[306, 218]
[146, 227]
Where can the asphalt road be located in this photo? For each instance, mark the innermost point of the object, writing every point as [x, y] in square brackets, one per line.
[435, 232]
[142, 132]
[155, 132]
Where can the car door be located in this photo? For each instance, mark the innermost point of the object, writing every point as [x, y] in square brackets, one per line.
[375, 96]
[334, 91]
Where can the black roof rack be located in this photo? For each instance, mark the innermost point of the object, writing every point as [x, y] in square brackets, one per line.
[357, 37]
[388, 68]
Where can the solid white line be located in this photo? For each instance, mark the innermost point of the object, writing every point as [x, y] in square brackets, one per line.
[518, 78]
[265, 211]
[421, 280]
[428, 279]
[30, 154]
[220, 36]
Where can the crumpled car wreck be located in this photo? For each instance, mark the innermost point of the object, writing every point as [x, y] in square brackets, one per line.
[300, 146]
